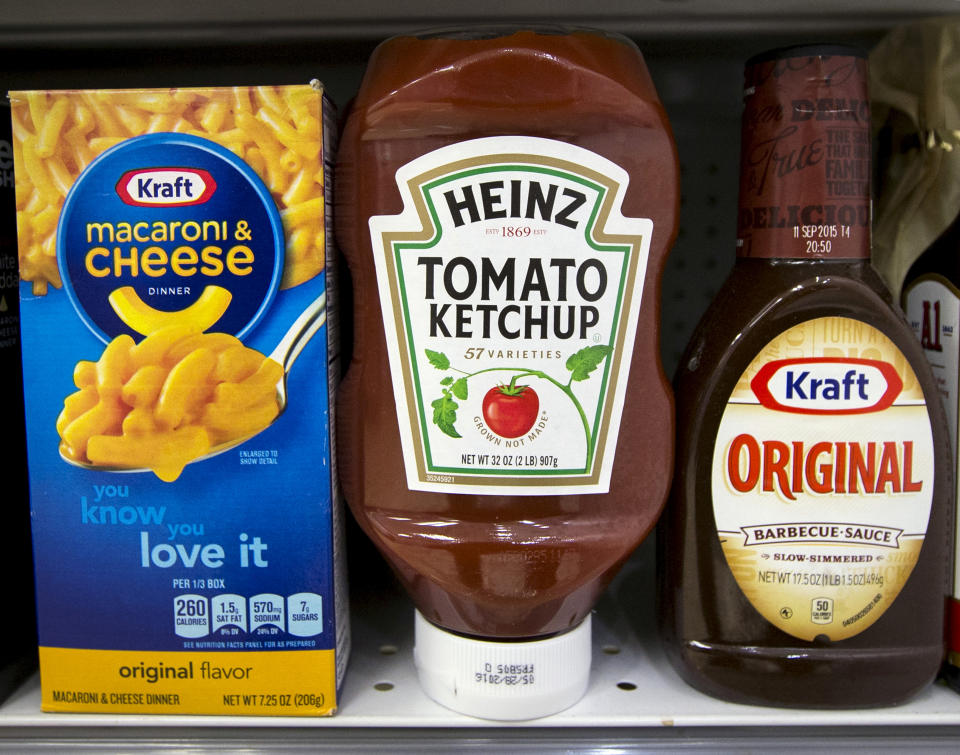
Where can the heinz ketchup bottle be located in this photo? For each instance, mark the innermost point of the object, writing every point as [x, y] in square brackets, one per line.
[506, 200]
[803, 556]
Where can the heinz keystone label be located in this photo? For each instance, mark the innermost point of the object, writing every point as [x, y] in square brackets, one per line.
[823, 478]
[510, 286]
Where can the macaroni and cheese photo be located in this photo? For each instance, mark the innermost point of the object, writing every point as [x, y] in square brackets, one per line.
[161, 403]
[56, 135]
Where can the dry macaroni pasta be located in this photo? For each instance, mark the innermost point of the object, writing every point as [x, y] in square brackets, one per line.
[275, 130]
[172, 397]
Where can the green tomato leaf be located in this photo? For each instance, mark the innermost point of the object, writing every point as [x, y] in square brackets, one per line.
[445, 414]
[459, 389]
[438, 359]
[586, 361]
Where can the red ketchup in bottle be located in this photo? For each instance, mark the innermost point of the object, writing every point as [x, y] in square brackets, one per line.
[506, 200]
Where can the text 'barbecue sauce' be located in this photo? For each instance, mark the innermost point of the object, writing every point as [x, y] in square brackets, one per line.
[505, 204]
[803, 554]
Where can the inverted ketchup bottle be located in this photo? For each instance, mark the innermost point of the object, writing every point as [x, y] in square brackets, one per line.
[803, 555]
[505, 203]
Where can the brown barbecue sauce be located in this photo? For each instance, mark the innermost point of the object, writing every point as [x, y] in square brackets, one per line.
[803, 555]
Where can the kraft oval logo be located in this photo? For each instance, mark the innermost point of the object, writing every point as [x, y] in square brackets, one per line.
[166, 187]
[827, 385]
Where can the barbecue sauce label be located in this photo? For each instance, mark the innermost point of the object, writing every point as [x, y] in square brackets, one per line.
[822, 478]
[510, 286]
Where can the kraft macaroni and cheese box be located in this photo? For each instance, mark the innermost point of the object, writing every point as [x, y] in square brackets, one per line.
[179, 357]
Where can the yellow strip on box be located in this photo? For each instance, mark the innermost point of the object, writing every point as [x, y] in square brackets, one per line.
[295, 683]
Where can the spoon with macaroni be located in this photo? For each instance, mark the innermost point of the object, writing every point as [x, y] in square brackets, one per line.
[178, 396]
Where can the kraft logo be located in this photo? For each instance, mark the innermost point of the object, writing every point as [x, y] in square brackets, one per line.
[165, 187]
[827, 385]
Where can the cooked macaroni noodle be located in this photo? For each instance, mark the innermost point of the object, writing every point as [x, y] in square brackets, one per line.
[144, 319]
[275, 130]
[163, 402]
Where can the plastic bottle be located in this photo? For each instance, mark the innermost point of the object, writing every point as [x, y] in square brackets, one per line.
[931, 300]
[803, 554]
[505, 203]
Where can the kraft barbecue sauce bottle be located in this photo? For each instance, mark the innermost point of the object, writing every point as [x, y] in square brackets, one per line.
[803, 555]
[506, 200]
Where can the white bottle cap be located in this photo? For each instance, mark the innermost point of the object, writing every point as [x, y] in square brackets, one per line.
[504, 681]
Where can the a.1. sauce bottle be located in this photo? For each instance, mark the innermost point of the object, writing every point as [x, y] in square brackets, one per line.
[931, 300]
[505, 203]
[803, 552]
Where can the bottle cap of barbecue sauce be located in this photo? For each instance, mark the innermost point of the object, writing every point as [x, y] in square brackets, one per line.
[506, 201]
[804, 555]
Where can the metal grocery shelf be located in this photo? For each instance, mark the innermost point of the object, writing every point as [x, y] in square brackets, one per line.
[635, 702]
[186, 22]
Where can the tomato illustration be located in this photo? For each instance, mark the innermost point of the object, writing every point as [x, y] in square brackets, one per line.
[511, 410]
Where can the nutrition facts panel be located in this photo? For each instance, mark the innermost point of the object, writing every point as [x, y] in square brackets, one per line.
[235, 616]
